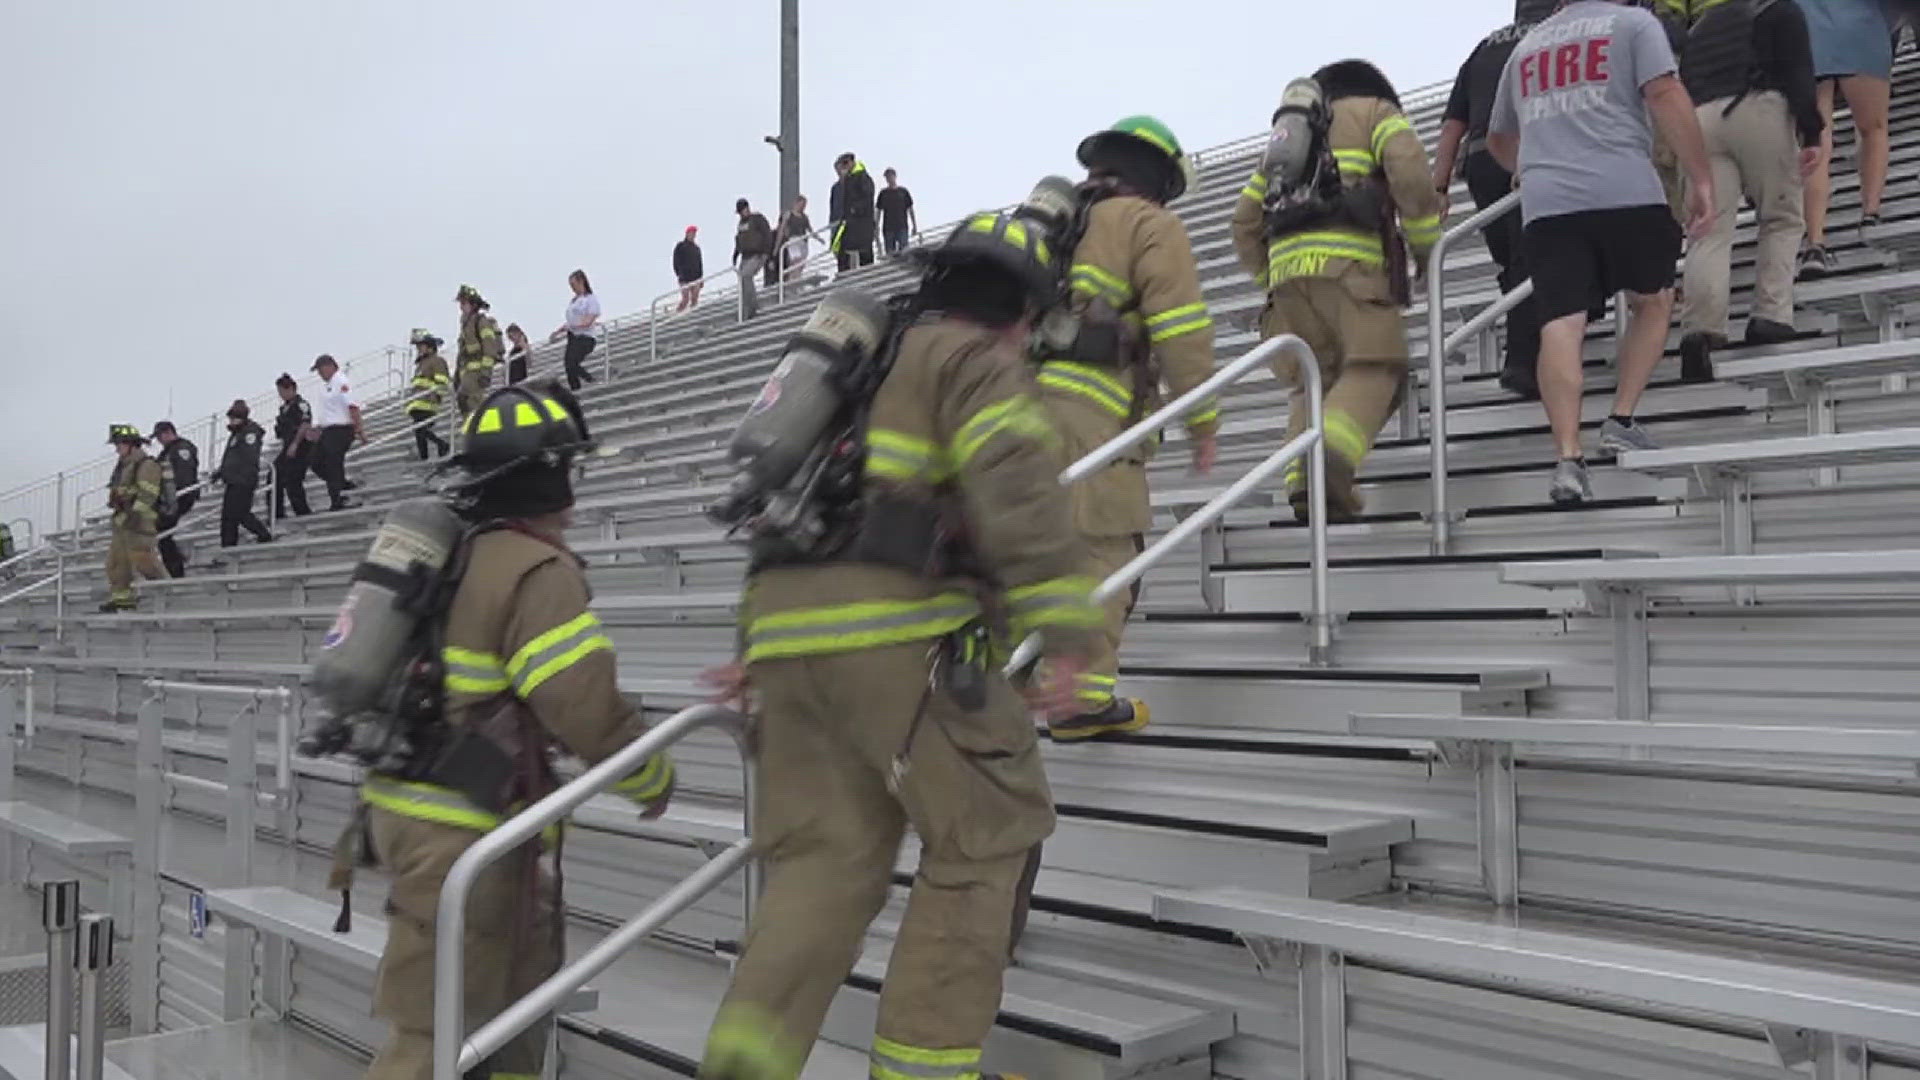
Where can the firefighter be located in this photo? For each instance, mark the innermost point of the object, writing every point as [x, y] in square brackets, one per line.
[1133, 263]
[134, 495]
[183, 458]
[862, 672]
[521, 653]
[1340, 286]
[479, 349]
[427, 392]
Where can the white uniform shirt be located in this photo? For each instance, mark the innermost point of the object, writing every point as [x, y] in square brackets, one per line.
[580, 311]
[335, 402]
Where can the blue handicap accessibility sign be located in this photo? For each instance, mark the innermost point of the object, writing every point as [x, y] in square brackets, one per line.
[197, 914]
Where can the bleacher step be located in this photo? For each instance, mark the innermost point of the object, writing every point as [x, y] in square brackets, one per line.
[1261, 694]
[1400, 583]
[59, 832]
[23, 1055]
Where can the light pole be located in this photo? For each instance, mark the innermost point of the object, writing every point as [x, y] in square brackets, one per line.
[789, 138]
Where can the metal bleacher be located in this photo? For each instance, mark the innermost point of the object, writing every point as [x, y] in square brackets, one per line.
[1625, 789]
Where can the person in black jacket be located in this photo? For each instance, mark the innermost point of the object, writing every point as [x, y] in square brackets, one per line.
[850, 209]
[183, 458]
[752, 251]
[240, 477]
[294, 428]
[688, 268]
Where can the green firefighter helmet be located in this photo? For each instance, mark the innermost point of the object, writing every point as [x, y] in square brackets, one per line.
[1124, 140]
[1005, 242]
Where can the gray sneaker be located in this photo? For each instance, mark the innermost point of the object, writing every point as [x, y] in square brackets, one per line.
[1619, 437]
[1570, 483]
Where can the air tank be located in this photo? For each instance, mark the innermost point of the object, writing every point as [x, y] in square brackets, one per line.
[785, 424]
[367, 643]
[1290, 149]
[1052, 203]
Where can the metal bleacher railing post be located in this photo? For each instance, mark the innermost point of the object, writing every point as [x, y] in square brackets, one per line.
[8, 721]
[60, 913]
[92, 956]
[1439, 345]
[455, 1051]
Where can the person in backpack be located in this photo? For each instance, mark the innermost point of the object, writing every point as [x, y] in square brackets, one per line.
[239, 477]
[134, 494]
[480, 349]
[1132, 272]
[182, 460]
[881, 703]
[1335, 266]
[1464, 129]
[528, 672]
[427, 392]
[1748, 67]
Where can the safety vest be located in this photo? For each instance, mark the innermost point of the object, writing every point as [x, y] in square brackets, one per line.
[1715, 43]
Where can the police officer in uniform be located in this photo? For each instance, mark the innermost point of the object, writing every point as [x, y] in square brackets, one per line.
[480, 349]
[1133, 268]
[1341, 288]
[133, 494]
[183, 458]
[240, 476]
[427, 392]
[1469, 109]
[858, 738]
[294, 428]
[522, 652]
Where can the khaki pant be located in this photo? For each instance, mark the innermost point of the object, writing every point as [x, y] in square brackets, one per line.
[1754, 151]
[828, 829]
[131, 552]
[471, 390]
[1112, 511]
[509, 950]
[1357, 336]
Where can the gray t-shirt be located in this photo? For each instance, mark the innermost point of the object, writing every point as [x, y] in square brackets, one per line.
[1572, 91]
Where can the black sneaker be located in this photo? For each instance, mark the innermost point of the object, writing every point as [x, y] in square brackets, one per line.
[115, 607]
[1696, 356]
[1816, 262]
[1768, 332]
[1520, 382]
[1119, 717]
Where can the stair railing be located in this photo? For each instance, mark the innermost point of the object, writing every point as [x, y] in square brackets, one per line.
[1311, 442]
[453, 1055]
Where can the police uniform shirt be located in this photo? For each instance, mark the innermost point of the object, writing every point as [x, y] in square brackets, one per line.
[1479, 80]
[184, 459]
[336, 402]
[294, 415]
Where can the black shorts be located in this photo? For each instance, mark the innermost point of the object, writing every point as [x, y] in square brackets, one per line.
[1579, 258]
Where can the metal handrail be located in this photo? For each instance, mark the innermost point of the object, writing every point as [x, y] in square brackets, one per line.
[1310, 442]
[1438, 345]
[26, 555]
[453, 1054]
[25, 675]
[654, 316]
[283, 734]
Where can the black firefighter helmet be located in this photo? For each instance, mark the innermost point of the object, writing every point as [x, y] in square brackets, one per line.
[517, 450]
[998, 241]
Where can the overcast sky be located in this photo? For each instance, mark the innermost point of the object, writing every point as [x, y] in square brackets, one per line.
[200, 194]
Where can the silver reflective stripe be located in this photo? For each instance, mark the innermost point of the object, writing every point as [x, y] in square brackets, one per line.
[935, 610]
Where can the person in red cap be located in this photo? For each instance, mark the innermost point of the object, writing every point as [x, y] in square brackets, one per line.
[688, 268]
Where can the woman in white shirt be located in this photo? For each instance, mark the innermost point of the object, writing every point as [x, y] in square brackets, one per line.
[582, 327]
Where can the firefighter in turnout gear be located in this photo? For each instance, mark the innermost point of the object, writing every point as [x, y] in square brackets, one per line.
[526, 670]
[1336, 274]
[427, 392]
[880, 698]
[1132, 270]
[134, 494]
[480, 349]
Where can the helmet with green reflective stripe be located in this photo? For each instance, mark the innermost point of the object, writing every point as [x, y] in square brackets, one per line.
[521, 425]
[1004, 242]
[1121, 145]
[124, 433]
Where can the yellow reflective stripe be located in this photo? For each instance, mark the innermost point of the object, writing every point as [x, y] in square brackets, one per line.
[649, 782]
[1387, 129]
[1256, 188]
[1017, 414]
[1096, 281]
[555, 651]
[1101, 387]
[1066, 601]
[744, 1042]
[902, 1054]
[1303, 254]
[470, 672]
[1347, 438]
[488, 331]
[1204, 417]
[895, 455]
[426, 802]
[1422, 231]
[490, 420]
[844, 627]
[1181, 320]
[1355, 162]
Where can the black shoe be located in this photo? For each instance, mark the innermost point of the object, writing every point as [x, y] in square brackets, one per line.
[1696, 356]
[1120, 716]
[1521, 383]
[1338, 513]
[1816, 262]
[1768, 332]
[115, 607]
